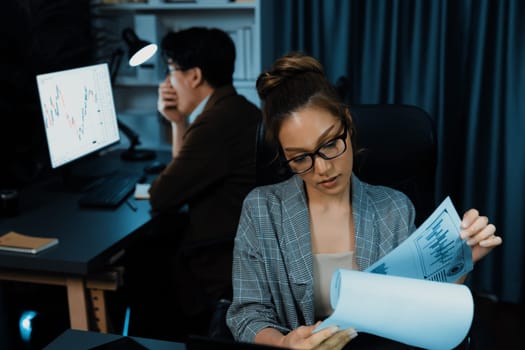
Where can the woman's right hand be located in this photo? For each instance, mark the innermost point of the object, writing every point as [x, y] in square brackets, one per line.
[337, 340]
[330, 338]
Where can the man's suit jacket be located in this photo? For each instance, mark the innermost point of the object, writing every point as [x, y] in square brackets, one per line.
[212, 173]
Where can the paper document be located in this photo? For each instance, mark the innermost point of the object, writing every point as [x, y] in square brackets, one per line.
[402, 297]
[142, 191]
[425, 314]
[435, 251]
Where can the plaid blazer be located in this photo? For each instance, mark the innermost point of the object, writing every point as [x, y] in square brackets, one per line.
[272, 265]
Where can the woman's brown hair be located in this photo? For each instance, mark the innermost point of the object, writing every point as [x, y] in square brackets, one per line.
[296, 81]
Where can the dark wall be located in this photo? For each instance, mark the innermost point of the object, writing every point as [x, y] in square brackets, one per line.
[37, 36]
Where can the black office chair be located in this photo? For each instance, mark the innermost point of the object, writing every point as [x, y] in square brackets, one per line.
[396, 148]
[270, 168]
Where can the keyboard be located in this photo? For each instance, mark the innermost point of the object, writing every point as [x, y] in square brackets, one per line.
[111, 192]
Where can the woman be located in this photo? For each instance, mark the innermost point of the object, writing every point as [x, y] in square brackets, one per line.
[294, 234]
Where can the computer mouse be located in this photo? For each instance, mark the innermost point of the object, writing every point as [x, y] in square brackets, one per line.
[154, 167]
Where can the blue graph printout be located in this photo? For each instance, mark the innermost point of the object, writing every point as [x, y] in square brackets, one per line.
[435, 251]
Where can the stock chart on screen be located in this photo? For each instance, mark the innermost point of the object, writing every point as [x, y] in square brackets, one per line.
[79, 112]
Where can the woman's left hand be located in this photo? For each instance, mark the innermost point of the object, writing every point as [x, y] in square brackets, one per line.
[479, 234]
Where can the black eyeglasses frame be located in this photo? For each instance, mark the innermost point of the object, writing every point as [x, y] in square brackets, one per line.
[318, 152]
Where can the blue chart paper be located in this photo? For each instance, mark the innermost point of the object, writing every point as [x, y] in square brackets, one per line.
[402, 297]
[426, 314]
[435, 251]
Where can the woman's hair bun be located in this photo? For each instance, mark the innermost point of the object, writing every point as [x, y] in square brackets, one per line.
[286, 68]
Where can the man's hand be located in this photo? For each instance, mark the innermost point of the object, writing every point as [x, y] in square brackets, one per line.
[167, 103]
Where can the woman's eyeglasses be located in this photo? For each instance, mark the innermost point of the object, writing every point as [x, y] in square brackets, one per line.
[329, 150]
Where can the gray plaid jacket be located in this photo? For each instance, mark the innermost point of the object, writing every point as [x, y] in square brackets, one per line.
[272, 264]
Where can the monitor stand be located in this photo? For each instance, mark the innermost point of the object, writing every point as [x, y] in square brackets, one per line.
[134, 154]
[73, 180]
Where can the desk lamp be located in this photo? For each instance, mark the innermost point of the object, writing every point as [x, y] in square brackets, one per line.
[139, 51]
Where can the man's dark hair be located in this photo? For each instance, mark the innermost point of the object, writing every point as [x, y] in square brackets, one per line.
[210, 49]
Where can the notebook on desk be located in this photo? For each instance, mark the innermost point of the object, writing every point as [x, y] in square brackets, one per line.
[205, 343]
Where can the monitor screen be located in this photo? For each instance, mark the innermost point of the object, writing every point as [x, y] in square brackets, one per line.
[79, 112]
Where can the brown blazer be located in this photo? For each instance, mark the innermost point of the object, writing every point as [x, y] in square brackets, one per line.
[213, 172]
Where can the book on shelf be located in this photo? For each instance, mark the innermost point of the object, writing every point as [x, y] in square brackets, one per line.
[20, 243]
[238, 40]
[249, 67]
[242, 38]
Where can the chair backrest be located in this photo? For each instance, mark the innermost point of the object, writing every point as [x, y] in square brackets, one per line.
[269, 167]
[397, 149]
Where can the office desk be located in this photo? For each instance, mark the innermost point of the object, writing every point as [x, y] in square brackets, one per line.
[90, 241]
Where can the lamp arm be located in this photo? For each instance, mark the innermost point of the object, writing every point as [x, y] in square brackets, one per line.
[114, 67]
[133, 137]
[131, 154]
[114, 63]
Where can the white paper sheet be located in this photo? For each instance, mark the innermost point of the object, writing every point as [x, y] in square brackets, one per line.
[402, 297]
[426, 314]
[142, 191]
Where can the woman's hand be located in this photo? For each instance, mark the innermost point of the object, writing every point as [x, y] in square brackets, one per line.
[479, 234]
[330, 338]
[337, 340]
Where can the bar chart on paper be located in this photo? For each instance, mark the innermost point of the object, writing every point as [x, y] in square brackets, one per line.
[435, 251]
[439, 245]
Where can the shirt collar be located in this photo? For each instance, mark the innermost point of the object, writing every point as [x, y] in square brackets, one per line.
[198, 110]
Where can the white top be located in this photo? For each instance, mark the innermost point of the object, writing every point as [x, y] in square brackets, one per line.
[324, 267]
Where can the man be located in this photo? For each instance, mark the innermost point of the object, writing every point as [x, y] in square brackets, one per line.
[212, 170]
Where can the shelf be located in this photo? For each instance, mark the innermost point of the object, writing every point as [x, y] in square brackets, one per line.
[152, 20]
[134, 82]
[144, 8]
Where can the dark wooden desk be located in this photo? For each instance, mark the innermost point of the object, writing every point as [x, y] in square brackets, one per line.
[82, 340]
[90, 241]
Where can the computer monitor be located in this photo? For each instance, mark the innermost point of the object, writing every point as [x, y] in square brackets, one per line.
[79, 112]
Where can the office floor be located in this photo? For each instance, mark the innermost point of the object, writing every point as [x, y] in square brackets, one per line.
[52, 315]
[51, 319]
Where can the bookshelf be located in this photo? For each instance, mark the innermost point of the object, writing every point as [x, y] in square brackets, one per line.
[152, 19]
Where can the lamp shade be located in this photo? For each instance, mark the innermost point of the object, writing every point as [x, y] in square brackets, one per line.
[139, 50]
